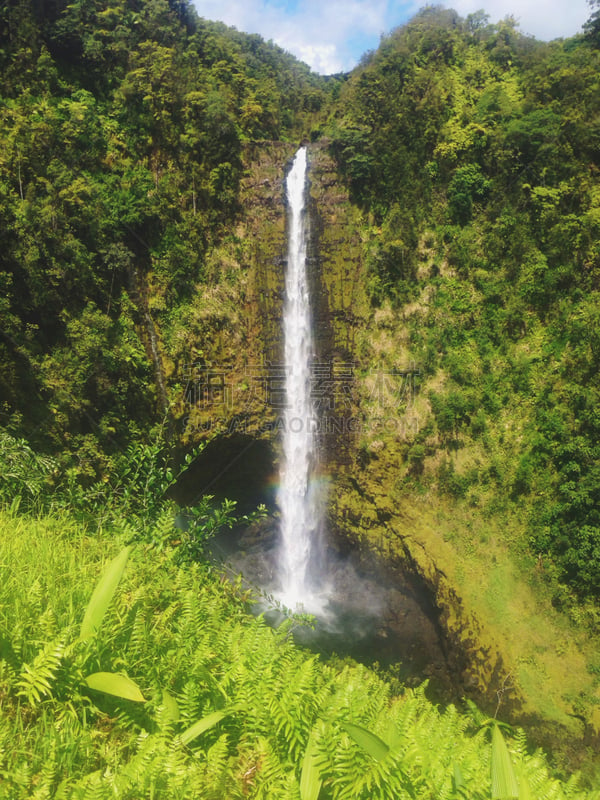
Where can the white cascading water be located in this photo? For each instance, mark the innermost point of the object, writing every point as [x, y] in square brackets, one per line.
[298, 496]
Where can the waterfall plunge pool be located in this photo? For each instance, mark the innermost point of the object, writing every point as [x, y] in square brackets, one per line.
[373, 613]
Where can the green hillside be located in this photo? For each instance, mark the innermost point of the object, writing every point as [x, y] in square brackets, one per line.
[472, 152]
[475, 153]
[123, 129]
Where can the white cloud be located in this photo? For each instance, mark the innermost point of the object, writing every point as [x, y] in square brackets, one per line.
[320, 31]
[323, 58]
[316, 31]
[546, 20]
[331, 35]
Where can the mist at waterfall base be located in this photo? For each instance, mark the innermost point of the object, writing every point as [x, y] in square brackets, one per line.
[369, 611]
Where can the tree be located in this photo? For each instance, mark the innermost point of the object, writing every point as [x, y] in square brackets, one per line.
[592, 26]
[467, 186]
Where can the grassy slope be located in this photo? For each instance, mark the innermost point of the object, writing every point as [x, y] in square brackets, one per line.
[548, 664]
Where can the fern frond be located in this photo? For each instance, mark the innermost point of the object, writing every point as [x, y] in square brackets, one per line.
[189, 703]
[269, 777]
[138, 633]
[46, 777]
[96, 788]
[219, 772]
[47, 624]
[519, 742]
[37, 678]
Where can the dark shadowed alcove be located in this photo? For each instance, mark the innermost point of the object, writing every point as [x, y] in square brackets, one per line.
[237, 467]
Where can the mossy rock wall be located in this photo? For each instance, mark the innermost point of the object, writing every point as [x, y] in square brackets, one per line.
[364, 461]
[234, 336]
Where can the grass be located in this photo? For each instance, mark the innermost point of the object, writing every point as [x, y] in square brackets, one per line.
[42, 556]
[545, 655]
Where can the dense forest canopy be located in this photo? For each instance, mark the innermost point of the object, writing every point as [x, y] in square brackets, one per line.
[122, 129]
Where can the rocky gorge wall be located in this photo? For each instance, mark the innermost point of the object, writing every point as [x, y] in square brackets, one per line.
[366, 397]
[370, 404]
[236, 394]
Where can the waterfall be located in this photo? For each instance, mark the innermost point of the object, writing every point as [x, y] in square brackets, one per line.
[298, 496]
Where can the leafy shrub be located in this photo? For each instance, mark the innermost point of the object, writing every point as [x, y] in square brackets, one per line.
[25, 476]
[467, 186]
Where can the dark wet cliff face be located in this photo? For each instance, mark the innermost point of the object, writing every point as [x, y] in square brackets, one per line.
[238, 467]
[339, 308]
[232, 343]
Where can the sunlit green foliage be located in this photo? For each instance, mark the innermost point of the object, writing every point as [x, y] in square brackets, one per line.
[475, 151]
[180, 693]
[122, 127]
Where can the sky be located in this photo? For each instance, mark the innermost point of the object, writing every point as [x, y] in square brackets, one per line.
[331, 35]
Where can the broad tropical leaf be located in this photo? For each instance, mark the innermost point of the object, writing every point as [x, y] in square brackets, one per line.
[202, 725]
[103, 594]
[524, 789]
[458, 782]
[310, 778]
[504, 781]
[369, 742]
[171, 707]
[115, 684]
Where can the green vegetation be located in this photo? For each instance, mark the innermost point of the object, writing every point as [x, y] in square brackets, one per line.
[474, 153]
[158, 683]
[122, 128]
[135, 137]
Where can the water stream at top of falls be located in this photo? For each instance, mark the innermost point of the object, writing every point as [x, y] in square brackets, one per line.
[298, 496]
